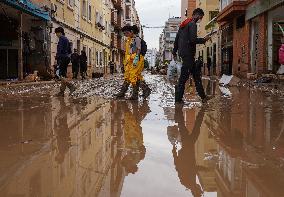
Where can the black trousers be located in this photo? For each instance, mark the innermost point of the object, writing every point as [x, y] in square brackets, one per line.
[63, 65]
[189, 68]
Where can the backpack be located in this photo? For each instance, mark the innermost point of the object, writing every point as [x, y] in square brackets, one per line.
[281, 54]
[143, 47]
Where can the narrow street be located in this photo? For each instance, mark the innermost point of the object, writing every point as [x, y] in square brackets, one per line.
[92, 145]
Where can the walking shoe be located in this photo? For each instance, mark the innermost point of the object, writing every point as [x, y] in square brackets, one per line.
[122, 91]
[146, 90]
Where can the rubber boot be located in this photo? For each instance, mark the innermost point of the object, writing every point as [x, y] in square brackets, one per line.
[135, 93]
[146, 90]
[123, 90]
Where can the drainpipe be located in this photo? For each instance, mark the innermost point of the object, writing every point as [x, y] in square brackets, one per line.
[20, 51]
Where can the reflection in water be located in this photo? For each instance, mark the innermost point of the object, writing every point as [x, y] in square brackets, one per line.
[184, 159]
[86, 147]
[133, 148]
[62, 131]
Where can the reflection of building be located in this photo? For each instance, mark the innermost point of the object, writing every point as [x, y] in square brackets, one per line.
[75, 162]
[249, 145]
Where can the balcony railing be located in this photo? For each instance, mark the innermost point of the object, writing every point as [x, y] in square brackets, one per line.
[114, 40]
[225, 3]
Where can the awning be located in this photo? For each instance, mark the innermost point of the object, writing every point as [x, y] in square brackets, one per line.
[28, 7]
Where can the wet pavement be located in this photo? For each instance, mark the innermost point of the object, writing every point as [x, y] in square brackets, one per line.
[85, 145]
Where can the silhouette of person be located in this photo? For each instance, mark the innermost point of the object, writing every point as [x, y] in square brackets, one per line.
[184, 159]
[62, 131]
[134, 149]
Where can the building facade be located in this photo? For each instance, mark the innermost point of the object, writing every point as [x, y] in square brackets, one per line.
[169, 34]
[25, 41]
[208, 25]
[250, 36]
[151, 57]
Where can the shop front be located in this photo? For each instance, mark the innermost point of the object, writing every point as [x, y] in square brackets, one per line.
[24, 39]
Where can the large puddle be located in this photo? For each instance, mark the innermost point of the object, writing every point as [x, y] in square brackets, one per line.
[66, 147]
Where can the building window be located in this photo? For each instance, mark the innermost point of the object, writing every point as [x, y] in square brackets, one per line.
[71, 3]
[84, 8]
[89, 12]
[90, 56]
[97, 58]
[101, 59]
[241, 21]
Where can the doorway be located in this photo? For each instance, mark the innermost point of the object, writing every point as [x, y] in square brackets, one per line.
[8, 63]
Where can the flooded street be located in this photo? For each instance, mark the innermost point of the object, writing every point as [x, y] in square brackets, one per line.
[88, 145]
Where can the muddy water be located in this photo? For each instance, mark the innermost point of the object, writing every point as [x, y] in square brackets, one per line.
[57, 147]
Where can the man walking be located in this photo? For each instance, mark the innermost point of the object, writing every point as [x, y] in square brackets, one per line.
[63, 59]
[75, 60]
[185, 44]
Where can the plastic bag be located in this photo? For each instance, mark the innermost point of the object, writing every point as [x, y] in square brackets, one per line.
[174, 70]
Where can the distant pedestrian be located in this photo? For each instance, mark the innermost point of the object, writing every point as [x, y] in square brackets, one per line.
[209, 65]
[75, 60]
[185, 44]
[63, 59]
[111, 67]
[83, 64]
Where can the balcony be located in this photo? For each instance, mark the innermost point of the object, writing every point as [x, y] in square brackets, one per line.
[117, 4]
[114, 40]
[114, 18]
[230, 8]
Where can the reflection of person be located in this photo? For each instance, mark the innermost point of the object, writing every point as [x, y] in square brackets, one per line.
[134, 149]
[185, 44]
[184, 159]
[62, 131]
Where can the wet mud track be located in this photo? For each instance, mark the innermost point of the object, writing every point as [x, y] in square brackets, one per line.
[89, 144]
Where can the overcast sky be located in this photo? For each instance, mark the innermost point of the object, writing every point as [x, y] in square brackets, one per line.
[156, 13]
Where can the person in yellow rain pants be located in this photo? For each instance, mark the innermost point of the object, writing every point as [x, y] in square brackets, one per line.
[133, 64]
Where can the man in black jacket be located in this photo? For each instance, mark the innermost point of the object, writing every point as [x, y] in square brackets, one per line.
[185, 44]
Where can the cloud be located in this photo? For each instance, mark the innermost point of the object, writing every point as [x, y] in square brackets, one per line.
[156, 13]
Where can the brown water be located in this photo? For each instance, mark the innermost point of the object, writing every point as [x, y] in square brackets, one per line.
[56, 147]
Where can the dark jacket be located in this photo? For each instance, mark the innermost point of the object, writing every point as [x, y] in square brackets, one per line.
[75, 59]
[83, 62]
[63, 48]
[186, 41]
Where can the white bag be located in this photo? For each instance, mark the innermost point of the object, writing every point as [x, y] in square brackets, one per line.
[174, 70]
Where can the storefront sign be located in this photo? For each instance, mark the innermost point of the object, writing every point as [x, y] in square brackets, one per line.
[260, 6]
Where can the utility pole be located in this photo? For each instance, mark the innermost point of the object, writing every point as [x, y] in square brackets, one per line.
[20, 51]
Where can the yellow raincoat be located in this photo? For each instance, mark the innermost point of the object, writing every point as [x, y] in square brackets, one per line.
[132, 73]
